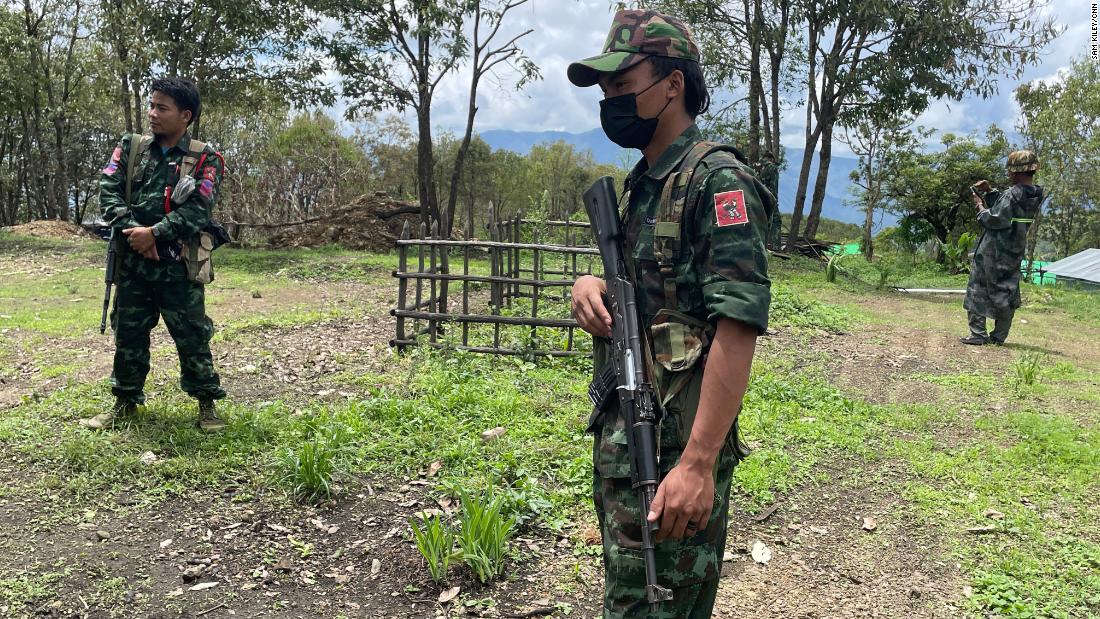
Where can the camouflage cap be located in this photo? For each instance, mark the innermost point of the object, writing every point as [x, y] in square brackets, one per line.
[1022, 161]
[635, 35]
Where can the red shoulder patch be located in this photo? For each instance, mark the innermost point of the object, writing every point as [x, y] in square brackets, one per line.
[729, 208]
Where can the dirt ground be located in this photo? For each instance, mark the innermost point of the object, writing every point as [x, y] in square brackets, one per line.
[350, 559]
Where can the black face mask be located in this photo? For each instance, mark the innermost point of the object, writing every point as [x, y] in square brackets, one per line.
[620, 120]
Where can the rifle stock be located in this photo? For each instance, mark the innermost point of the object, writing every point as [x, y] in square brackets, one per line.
[637, 403]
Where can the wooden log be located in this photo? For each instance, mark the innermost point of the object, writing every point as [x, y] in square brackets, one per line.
[523, 321]
[485, 279]
[496, 350]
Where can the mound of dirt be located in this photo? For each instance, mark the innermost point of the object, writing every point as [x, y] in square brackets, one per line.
[51, 229]
[371, 223]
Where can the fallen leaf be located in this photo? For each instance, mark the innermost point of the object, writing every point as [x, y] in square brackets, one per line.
[434, 467]
[166, 543]
[375, 567]
[990, 528]
[174, 593]
[202, 586]
[280, 529]
[492, 435]
[591, 536]
[761, 553]
[449, 594]
[869, 523]
[148, 457]
[994, 514]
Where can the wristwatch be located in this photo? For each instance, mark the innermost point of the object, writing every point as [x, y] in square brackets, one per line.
[156, 232]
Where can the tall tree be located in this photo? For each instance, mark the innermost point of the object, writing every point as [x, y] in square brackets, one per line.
[934, 186]
[907, 54]
[394, 55]
[880, 144]
[485, 58]
[1061, 122]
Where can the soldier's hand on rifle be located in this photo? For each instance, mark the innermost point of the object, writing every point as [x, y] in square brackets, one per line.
[143, 242]
[684, 501]
[588, 306]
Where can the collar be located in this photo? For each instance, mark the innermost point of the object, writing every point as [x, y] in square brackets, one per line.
[670, 159]
[182, 145]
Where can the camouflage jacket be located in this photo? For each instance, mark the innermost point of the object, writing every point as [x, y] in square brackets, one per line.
[721, 272]
[155, 170]
[994, 287]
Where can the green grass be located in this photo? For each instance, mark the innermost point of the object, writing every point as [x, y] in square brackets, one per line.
[1026, 461]
[1041, 472]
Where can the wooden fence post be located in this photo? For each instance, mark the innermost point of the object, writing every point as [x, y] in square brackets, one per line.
[433, 300]
[402, 284]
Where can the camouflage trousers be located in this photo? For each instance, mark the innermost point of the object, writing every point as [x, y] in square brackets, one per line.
[690, 567]
[139, 304]
[1001, 325]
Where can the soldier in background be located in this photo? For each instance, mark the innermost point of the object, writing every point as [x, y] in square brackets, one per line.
[768, 173]
[153, 281]
[695, 220]
[994, 287]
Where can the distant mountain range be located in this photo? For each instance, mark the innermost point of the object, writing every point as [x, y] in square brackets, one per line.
[605, 151]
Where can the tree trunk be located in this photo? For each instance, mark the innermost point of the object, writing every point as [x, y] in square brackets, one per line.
[868, 223]
[139, 106]
[754, 81]
[812, 134]
[823, 161]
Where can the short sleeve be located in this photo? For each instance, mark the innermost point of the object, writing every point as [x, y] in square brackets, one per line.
[730, 226]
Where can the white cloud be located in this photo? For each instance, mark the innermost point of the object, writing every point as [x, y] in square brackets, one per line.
[567, 30]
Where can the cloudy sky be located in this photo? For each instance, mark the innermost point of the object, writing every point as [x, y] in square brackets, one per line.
[567, 30]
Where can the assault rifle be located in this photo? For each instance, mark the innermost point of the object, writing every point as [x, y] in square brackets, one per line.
[112, 267]
[637, 402]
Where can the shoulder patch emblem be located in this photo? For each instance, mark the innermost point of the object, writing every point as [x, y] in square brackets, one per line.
[112, 165]
[729, 208]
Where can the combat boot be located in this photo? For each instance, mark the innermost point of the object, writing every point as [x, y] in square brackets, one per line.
[119, 412]
[209, 421]
[974, 340]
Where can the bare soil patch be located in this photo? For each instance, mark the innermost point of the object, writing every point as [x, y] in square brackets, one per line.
[51, 229]
[825, 565]
[372, 223]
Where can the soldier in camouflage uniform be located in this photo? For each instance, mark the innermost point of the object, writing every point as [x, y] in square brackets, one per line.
[695, 219]
[994, 287]
[152, 279]
[769, 176]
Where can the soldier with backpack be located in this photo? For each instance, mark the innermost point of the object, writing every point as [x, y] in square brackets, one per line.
[695, 220]
[159, 191]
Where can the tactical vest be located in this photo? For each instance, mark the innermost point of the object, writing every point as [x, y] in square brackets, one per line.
[195, 253]
[140, 146]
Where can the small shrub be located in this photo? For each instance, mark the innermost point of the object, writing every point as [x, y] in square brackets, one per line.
[1027, 369]
[436, 543]
[956, 255]
[485, 535]
[309, 469]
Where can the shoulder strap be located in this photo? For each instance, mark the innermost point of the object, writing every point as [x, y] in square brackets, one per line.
[137, 147]
[194, 153]
[667, 232]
